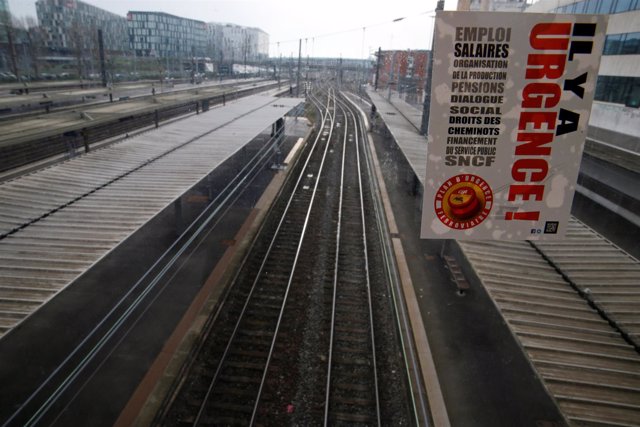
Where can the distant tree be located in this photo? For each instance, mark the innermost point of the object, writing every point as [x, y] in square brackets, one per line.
[77, 44]
[9, 26]
[93, 45]
[35, 39]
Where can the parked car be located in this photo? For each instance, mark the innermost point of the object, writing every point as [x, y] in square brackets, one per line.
[8, 77]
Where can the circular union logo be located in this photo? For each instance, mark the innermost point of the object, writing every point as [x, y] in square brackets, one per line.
[463, 201]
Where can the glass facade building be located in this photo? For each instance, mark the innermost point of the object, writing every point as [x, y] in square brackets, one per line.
[4, 7]
[617, 95]
[159, 34]
[5, 15]
[235, 43]
[72, 24]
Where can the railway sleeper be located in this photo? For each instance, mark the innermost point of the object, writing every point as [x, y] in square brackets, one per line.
[345, 360]
[349, 338]
[352, 401]
[352, 284]
[350, 417]
[353, 312]
[268, 284]
[258, 309]
[280, 261]
[233, 390]
[250, 353]
[257, 321]
[243, 365]
[351, 333]
[355, 319]
[250, 341]
[362, 337]
[277, 272]
[350, 298]
[200, 386]
[256, 334]
[228, 406]
[352, 387]
[350, 329]
[352, 372]
[237, 379]
[354, 350]
[267, 296]
[219, 420]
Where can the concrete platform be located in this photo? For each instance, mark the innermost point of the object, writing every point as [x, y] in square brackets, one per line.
[476, 312]
[29, 355]
[19, 130]
[485, 379]
[403, 121]
[56, 223]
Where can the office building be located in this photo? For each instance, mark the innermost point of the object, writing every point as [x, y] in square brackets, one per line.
[161, 35]
[230, 43]
[4, 10]
[4, 46]
[617, 95]
[404, 71]
[70, 25]
[492, 5]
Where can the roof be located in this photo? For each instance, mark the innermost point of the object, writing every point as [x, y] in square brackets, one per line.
[59, 221]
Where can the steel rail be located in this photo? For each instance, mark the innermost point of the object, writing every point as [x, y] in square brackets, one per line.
[299, 249]
[218, 203]
[335, 282]
[226, 206]
[357, 139]
[216, 375]
[72, 103]
[412, 365]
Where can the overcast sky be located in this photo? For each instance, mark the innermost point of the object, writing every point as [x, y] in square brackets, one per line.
[286, 21]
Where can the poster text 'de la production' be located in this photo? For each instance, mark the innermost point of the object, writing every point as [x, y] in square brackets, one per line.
[515, 91]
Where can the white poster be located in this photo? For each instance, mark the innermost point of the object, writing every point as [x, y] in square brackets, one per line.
[510, 103]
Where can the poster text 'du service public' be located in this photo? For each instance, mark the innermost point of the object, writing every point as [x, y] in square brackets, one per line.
[510, 103]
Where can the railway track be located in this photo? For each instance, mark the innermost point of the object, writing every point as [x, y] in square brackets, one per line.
[573, 306]
[229, 390]
[46, 254]
[57, 222]
[352, 379]
[60, 99]
[294, 340]
[23, 146]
